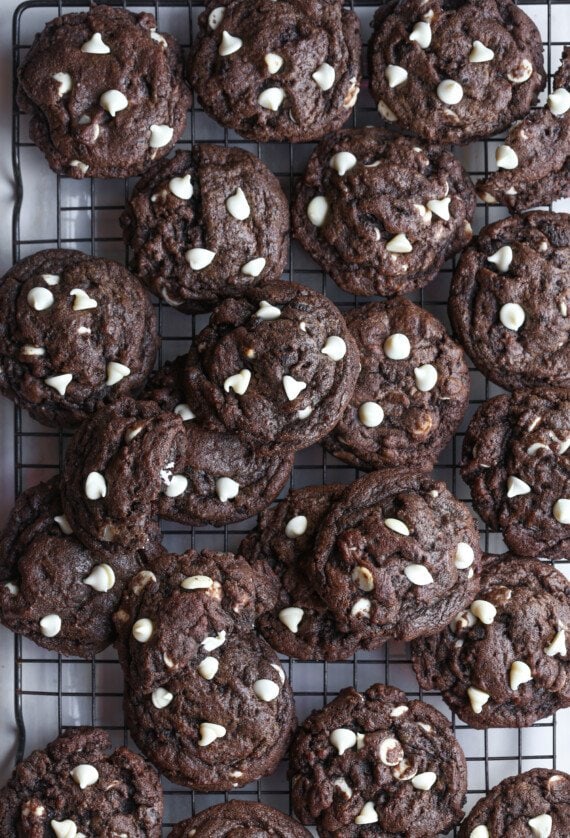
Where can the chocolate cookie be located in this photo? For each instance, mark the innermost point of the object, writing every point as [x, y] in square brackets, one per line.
[178, 610]
[503, 662]
[536, 802]
[228, 480]
[412, 391]
[277, 70]
[277, 366]
[453, 72]
[397, 556]
[116, 466]
[515, 461]
[378, 761]
[240, 818]
[509, 300]
[52, 589]
[76, 787]
[298, 623]
[75, 331]
[105, 92]
[534, 162]
[205, 225]
[379, 213]
[221, 727]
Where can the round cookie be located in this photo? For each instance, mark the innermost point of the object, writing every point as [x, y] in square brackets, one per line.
[503, 662]
[52, 589]
[116, 466]
[240, 818]
[218, 730]
[411, 394]
[515, 460]
[397, 556]
[510, 297]
[277, 366]
[178, 610]
[277, 71]
[536, 802]
[205, 225]
[377, 760]
[105, 91]
[379, 213]
[298, 623]
[76, 787]
[75, 331]
[454, 72]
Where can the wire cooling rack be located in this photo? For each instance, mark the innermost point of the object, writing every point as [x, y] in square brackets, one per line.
[51, 692]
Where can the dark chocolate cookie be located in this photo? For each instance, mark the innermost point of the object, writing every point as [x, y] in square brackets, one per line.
[221, 727]
[105, 91]
[240, 819]
[277, 366]
[75, 787]
[379, 213]
[453, 72]
[510, 299]
[503, 662]
[397, 556]
[298, 624]
[534, 803]
[378, 761]
[205, 225]
[52, 589]
[412, 391]
[75, 331]
[116, 466]
[277, 70]
[534, 162]
[516, 463]
[180, 609]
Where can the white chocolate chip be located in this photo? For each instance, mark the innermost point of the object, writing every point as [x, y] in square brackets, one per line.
[51, 279]
[161, 698]
[557, 645]
[64, 829]
[293, 387]
[561, 510]
[160, 135]
[516, 486]
[484, 611]
[363, 578]
[559, 101]
[95, 45]
[156, 36]
[399, 244]
[361, 608]
[197, 583]
[465, 619]
[199, 258]
[226, 489]
[267, 312]
[506, 157]
[229, 44]
[480, 832]
[291, 617]
[449, 92]
[397, 347]
[272, 98]
[116, 372]
[488, 198]
[101, 578]
[342, 162]
[63, 524]
[398, 711]
[391, 752]
[50, 625]
[296, 527]
[541, 826]
[82, 300]
[36, 351]
[40, 299]
[211, 643]
[83, 330]
[317, 210]
[521, 73]
[237, 205]
[306, 411]
[279, 670]
[341, 784]
[477, 699]
[502, 258]
[396, 525]
[421, 34]
[351, 97]
[371, 414]
[238, 382]
[143, 630]
[480, 53]
[386, 112]
[464, 555]
[216, 16]
[208, 668]
[404, 771]
[335, 348]
[440, 208]
[536, 446]
[84, 775]
[168, 661]
[324, 76]
[418, 574]
[395, 75]
[519, 673]
[424, 781]
[254, 267]
[141, 580]
[185, 412]
[65, 83]
[59, 383]
[273, 62]
[78, 164]
[424, 727]
[176, 486]
[209, 732]
[113, 101]
[512, 316]
[368, 814]
[181, 187]
[426, 377]
[265, 689]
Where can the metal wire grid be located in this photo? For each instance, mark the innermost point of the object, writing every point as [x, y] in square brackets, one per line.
[52, 692]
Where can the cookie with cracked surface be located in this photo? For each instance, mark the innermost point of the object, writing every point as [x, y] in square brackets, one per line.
[379, 213]
[116, 466]
[454, 72]
[222, 726]
[536, 802]
[411, 394]
[515, 460]
[75, 786]
[379, 761]
[181, 608]
[503, 662]
[397, 556]
[75, 331]
[533, 164]
[510, 298]
[240, 818]
[297, 622]
[277, 366]
[105, 91]
[205, 225]
[277, 71]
